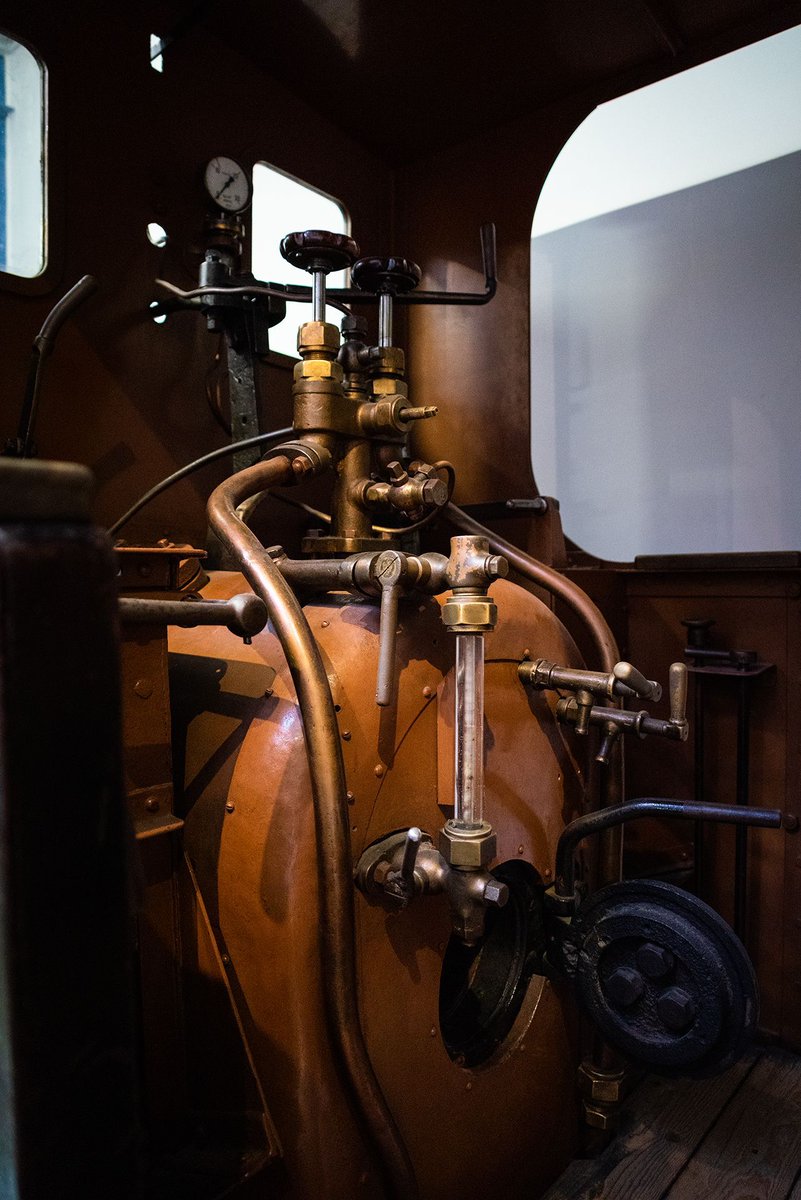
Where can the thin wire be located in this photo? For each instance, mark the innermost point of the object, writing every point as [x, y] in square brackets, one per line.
[442, 465]
[177, 476]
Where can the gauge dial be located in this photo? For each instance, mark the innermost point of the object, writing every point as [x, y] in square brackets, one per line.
[227, 184]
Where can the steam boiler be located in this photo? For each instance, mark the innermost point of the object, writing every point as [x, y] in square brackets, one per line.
[400, 800]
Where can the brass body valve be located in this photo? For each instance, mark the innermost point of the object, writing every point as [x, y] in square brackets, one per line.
[406, 864]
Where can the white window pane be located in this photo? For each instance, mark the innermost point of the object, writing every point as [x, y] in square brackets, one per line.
[284, 205]
[665, 356]
[22, 168]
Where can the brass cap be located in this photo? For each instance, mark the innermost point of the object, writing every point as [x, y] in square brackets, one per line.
[467, 848]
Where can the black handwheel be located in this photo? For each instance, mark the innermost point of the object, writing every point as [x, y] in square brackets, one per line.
[664, 978]
[319, 250]
[393, 276]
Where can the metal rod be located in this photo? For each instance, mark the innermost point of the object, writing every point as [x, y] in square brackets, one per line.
[336, 296]
[385, 319]
[741, 793]
[329, 797]
[635, 810]
[318, 296]
[698, 789]
[245, 615]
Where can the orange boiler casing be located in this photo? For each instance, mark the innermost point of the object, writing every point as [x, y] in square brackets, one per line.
[509, 1124]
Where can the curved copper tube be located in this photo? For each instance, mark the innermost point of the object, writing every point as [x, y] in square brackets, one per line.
[551, 580]
[329, 792]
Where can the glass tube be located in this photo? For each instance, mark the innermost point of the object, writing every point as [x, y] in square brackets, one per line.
[468, 801]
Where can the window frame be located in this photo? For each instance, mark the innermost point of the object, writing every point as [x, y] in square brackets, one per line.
[50, 276]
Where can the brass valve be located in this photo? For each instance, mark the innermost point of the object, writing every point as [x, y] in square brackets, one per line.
[406, 864]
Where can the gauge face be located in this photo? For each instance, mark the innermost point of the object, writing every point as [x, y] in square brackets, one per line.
[228, 184]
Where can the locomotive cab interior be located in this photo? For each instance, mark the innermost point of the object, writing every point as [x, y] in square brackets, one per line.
[363, 832]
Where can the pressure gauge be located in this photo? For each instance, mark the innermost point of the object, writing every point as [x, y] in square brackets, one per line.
[227, 184]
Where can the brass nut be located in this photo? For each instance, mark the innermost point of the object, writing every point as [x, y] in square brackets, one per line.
[318, 368]
[318, 337]
[600, 1088]
[390, 389]
[389, 360]
[467, 849]
[598, 1117]
[469, 613]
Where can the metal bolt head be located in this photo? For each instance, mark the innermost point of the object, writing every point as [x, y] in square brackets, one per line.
[654, 961]
[624, 986]
[676, 1009]
[497, 566]
[496, 893]
[152, 804]
[435, 492]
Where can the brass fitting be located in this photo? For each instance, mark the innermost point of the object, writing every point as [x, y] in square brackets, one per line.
[388, 360]
[467, 849]
[598, 1116]
[470, 570]
[391, 416]
[600, 1087]
[318, 369]
[470, 612]
[471, 566]
[318, 339]
[389, 388]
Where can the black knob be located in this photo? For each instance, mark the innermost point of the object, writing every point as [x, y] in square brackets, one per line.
[319, 250]
[698, 632]
[393, 276]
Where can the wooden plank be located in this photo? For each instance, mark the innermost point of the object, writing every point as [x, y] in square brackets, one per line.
[754, 1150]
[662, 1123]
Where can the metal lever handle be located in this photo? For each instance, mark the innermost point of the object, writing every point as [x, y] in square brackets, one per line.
[410, 848]
[388, 569]
[631, 678]
[245, 615]
[42, 346]
[677, 689]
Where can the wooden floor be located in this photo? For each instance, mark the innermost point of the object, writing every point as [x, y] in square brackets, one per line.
[737, 1137]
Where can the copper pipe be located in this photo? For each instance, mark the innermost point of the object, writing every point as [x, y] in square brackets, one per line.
[329, 794]
[546, 577]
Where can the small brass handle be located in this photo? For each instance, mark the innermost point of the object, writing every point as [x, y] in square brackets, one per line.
[677, 686]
